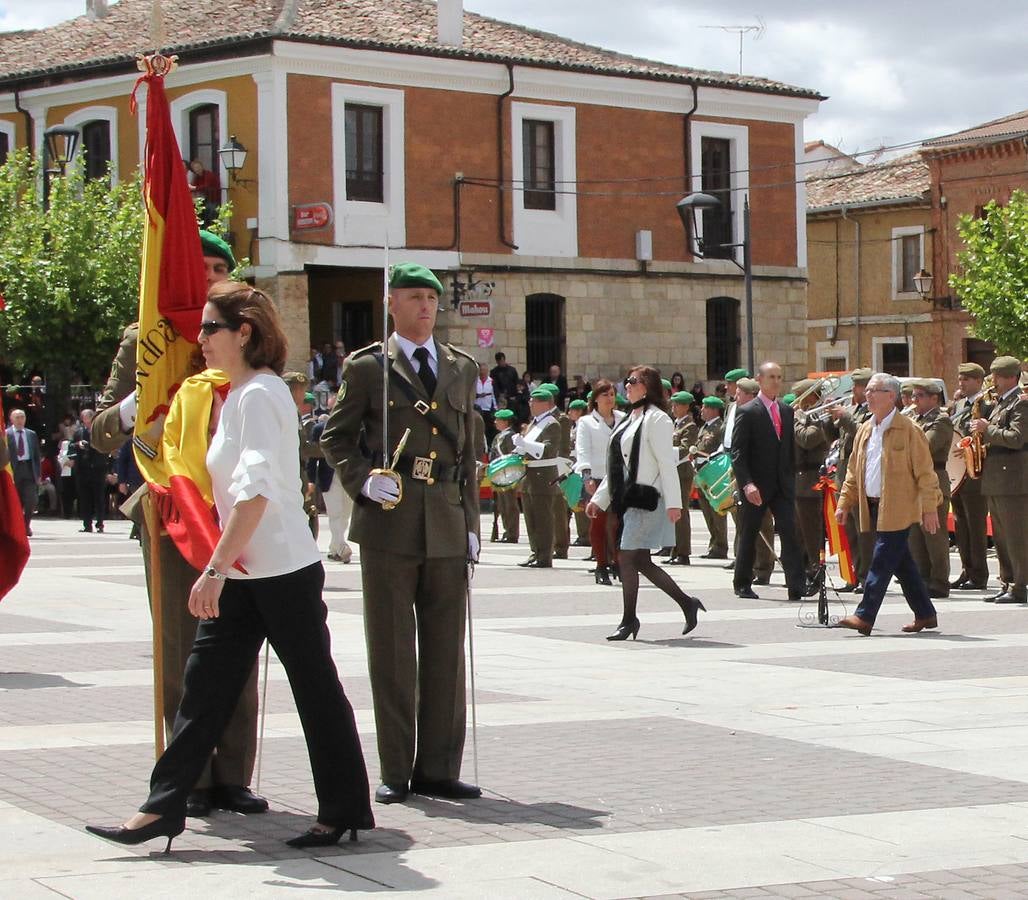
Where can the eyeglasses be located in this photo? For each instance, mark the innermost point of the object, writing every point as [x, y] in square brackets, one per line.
[878, 391]
[633, 380]
[211, 328]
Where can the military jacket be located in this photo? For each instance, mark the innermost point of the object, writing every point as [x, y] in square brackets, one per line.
[436, 513]
[685, 436]
[938, 428]
[546, 431]
[1005, 472]
[811, 443]
[105, 431]
[503, 444]
[961, 414]
[710, 434]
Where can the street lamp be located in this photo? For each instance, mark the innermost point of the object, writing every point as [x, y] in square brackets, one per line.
[687, 208]
[923, 283]
[233, 158]
[60, 145]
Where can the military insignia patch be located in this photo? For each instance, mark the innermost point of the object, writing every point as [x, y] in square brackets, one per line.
[341, 393]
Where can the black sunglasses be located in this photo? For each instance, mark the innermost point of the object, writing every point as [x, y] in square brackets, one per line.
[633, 380]
[212, 327]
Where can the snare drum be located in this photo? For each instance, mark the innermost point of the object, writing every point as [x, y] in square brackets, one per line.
[715, 478]
[506, 472]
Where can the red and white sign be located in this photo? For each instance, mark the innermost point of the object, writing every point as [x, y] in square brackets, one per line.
[486, 336]
[472, 308]
[309, 216]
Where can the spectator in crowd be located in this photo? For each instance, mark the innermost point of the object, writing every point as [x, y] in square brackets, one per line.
[91, 467]
[579, 390]
[47, 493]
[67, 464]
[485, 401]
[205, 187]
[677, 382]
[26, 461]
[557, 377]
[329, 366]
[505, 379]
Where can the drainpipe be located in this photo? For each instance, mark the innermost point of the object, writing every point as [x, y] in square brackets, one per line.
[500, 154]
[856, 282]
[686, 136]
[28, 123]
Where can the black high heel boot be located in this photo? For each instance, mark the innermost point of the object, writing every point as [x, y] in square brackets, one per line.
[615, 571]
[162, 827]
[693, 607]
[602, 575]
[316, 838]
[624, 630]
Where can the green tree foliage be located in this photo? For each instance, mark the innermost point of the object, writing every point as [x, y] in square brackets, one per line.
[69, 273]
[993, 279]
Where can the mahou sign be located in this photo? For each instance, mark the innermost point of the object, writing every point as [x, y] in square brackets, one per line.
[472, 308]
[309, 216]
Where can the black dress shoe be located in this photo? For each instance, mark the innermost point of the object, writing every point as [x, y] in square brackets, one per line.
[714, 556]
[538, 564]
[729, 566]
[450, 789]
[762, 579]
[198, 804]
[746, 593]
[315, 837]
[162, 827]
[961, 581]
[237, 799]
[992, 597]
[1011, 596]
[391, 793]
[527, 562]
[938, 595]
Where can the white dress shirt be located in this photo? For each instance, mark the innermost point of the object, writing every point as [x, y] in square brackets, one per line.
[408, 347]
[873, 460]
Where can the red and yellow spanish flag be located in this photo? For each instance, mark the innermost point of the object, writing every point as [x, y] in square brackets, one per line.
[172, 283]
[14, 540]
[838, 542]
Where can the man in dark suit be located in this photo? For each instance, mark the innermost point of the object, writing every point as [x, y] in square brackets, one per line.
[23, 449]
[763, 457]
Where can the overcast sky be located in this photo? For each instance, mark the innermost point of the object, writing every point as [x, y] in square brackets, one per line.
[894, 70]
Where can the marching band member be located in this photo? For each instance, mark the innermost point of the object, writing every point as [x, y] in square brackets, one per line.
[506, 501]
[811, 450]
[685, 436]
[540, 493]
[708, 442]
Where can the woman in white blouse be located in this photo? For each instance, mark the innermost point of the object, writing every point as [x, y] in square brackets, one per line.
[646, 437]
[264, 580]
[592, 437]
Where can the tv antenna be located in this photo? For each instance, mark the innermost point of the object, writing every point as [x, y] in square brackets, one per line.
[756, 30]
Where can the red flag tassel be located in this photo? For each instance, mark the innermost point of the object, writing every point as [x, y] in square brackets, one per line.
[838, 542]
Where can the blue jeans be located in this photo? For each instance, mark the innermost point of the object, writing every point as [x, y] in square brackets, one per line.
[891, 556]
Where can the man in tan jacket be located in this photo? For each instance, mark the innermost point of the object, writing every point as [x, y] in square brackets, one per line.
[890, 485]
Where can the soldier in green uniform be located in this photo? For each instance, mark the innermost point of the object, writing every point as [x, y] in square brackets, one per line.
[506, 501]
[708, 441]
[541, 498]
[845, 422]
[225, 781]
[811, 442]
[970, 512]
[931, 551]
[561, 513]
[309, 448]
[1005, 477]
[414, 555]
[684, 437]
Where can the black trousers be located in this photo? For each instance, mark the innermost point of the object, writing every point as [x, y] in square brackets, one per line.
[289, 611]
[92, 492]
[783, 509]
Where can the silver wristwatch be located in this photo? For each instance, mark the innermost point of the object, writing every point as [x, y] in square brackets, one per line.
[211, 572]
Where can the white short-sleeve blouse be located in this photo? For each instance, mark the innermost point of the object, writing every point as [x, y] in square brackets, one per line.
[255, 452]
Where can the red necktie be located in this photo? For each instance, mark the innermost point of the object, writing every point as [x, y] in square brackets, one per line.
[776, 419]
[21, 444]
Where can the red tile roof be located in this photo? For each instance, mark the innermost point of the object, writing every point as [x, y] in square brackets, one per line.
[903, 178]
[1007, 128]
[113, 41]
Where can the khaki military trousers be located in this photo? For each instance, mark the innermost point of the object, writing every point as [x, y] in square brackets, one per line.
[810, 518]
[683, 527]
[540, 517]
[931, 551]
[414, 622]
[717, 525]
[510, 516]
[970, 512]
[561, 527]
[233, 758]
[1010, 534]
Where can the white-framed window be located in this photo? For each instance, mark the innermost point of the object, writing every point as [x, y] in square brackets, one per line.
[907, 260]
[720, 165]
[832, 357]
[7, 142]
[200, 121]
[369, 186]
[894, 355]
[98, 140]
[544, 170]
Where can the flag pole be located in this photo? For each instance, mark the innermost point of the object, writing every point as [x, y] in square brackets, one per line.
[153, 527]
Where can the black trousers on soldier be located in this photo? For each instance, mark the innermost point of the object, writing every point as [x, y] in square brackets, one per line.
[289, 612]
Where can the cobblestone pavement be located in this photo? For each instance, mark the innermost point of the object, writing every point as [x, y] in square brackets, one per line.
[753, 758]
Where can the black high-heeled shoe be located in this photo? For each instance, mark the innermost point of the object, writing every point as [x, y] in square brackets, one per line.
[615, 571]
[695, 605]
[602, 575]
[624, 630]
[317, 838]
[162, 827]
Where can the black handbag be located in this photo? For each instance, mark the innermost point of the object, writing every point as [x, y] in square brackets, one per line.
[638, 496]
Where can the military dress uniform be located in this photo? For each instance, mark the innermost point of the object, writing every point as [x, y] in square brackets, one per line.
[1005, 486]
[845, 429]
[561, 513]
[685, 436]
[233, 760]
[507, 500]
[542, 500]
[931, 551]
[970, 509]
[708, 441]
[811, 441]
[414, 556]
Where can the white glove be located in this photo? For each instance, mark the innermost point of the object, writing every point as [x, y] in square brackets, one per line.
[519, 442]
[380, 489]
[127, 412]
[474, 546]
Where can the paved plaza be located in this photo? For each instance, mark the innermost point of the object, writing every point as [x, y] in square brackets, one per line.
[753, 758]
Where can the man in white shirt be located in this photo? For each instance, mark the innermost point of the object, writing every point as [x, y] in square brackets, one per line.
[485, 401]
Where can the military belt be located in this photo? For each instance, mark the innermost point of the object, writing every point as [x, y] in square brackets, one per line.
[424, 468]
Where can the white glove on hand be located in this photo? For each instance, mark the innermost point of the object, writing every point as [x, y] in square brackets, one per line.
[127, 413]
[474, 546]
[380, 489]
[519, 442]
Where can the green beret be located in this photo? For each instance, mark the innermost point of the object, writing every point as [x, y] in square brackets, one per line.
[715, 402]
[735, 374]
[411, 275]
[214, 246]
[788, 399]
[972, 369]
[308, 397]
[666, 384]
[292, 378]
[1009, 366]
[622, 401]
[749, 385]
[683, 397]
[552, 388]
[504, 414]
[861, 376]
[577, 404]
[589, 396]
[540, 394]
